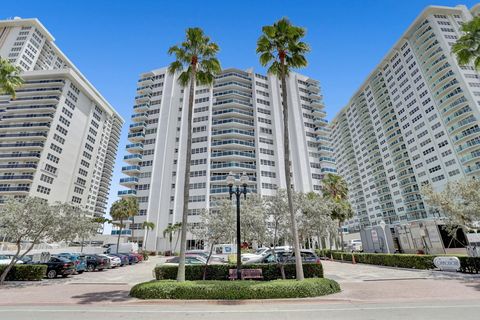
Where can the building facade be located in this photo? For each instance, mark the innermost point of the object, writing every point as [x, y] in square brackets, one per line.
[59, 137]
[413, 122]
[237, 127]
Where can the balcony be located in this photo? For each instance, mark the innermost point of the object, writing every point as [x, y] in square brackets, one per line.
[133, 158]
[135, 147]
[28, 116]
[233, 122]
[18, 178]
[233, 142]
[131, 170]
[141, 107]
[19, 167]
[232, 132]
[233, 154]
[125, 232]
[223, 178]
[127, 193]
[233, 165]
[137, 126]
[136, 137]
[233, 102]
[129, 181]
[139, 117]
[23, 156]
[316, 103]
[233, 112]
[142, 98]
[30, 135]
[14, 189]
[31, 126]
[22, 146]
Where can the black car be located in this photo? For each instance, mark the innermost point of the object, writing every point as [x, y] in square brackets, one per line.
[59, 266]
[132, 258]
[95, 262]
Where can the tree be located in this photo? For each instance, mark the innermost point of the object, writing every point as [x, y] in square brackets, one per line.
[281, 48]
[33, 219]
[459, 202]
[170, 231]
[195, 62]
[276, 214]
[131, 204]
[335, 188]
[10, 78]
[216, 226]
[120, 211]
[147, 226]
[252, 219]
[467, 47]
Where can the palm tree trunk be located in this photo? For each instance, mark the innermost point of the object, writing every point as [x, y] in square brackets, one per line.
[341, 233]
[286, 156]
[133, 225]
[186, 181]
[119, 234]
[146, 239]
[176, 243]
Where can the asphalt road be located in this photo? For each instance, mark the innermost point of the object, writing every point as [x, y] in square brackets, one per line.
[464, 310]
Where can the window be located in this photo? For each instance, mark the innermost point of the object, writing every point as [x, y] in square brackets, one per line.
[46, 179]
[43, 190]
[50, 168]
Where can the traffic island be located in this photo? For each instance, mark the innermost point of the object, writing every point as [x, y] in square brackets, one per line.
[234, 290]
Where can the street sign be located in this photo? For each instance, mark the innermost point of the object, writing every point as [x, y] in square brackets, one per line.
[447, 263]
[374, 235]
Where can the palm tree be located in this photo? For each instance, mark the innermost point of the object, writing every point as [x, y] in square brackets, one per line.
[170, 231]
[335, 188]
[281, 48]
[132, 207]
[195, 63]
[467, 47]
[10, 78]
[147, 226]
[120, 212]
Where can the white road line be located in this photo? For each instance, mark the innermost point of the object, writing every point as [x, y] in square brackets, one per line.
[477, 306]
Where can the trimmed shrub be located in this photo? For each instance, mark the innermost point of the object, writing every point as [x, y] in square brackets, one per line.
[412, 261]
[270, 271]
[25, 272]
[469, 264]
[234, 290]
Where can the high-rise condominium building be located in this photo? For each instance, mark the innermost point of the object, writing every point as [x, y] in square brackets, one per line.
[237, 127]
[413, 122]
[59, 137]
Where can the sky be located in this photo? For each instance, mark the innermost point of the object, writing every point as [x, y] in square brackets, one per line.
[113, 41]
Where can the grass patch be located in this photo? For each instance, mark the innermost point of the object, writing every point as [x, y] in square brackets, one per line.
[234, 290]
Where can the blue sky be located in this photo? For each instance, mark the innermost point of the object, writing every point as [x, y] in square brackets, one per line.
[112, 42]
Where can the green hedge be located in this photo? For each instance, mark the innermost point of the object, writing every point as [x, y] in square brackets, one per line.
[270, 271]
[412, 261]
[233, 290]
[25, 272]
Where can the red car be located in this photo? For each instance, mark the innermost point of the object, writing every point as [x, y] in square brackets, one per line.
[139, 256]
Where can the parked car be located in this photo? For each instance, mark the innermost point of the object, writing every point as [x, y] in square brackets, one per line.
[123, 258]
[110, 263]
[189, 260]
[95, 262]
[132, 258]
[59, 266]
[78, 259]
[114, 260]
[6, 259]
[204, 254]
[355, 245]
[261, 253]
[287, 257]
[138, 255]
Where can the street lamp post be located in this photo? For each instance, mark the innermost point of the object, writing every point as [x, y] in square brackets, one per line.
[238, 192]
[383, 224]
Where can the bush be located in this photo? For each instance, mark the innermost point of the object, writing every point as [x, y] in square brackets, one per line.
[270, 271]
[25, 272]
[469, 264]
[412, 261]
[232, 290]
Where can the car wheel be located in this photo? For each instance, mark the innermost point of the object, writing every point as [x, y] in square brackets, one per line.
[52, 274]
[90, 268]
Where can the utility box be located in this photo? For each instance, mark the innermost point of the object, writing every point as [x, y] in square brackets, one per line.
[375, 240]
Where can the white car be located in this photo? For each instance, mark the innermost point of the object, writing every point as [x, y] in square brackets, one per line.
[114, 261]
[6, 260]
[189, 260]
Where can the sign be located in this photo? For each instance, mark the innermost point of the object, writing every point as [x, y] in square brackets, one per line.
[374, 235]
[447, 263]
[473, 237]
